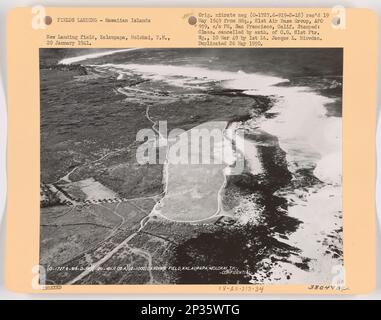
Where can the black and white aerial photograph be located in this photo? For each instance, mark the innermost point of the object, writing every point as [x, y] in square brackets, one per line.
[191, 166]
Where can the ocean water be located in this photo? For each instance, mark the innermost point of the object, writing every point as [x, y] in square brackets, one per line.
[302, 125]
[307, 133]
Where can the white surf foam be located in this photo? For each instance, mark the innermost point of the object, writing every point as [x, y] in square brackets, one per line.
[304, 131]
[309, 138]
[190, 76]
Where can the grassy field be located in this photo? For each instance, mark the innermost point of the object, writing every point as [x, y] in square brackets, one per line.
[89, 120]
[79, 236]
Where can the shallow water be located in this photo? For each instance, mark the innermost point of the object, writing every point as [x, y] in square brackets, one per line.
[299, 125]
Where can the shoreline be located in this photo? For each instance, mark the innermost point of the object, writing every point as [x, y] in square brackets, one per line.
[287, 181]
